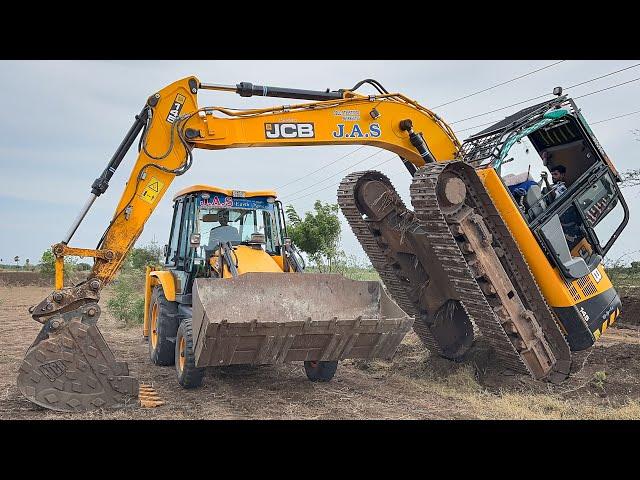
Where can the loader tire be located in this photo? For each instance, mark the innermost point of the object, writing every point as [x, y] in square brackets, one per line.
[162, 328]
[320, 371]
[189, 376]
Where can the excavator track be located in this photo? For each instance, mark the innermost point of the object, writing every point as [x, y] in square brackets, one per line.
[528, 341]
[371, 194]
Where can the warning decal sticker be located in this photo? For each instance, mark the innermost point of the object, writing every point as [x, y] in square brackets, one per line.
[151, 191]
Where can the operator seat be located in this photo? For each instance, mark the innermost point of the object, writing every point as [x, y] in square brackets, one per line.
[534, 201]
[222, 234]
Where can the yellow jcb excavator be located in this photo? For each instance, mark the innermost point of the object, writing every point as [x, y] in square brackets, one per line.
[481, 253]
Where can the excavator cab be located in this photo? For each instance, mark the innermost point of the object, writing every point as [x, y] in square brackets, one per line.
[573, 222]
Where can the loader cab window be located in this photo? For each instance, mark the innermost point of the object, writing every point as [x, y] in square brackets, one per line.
[227, 219]
[187, 228]
[174, 236]
[259, 221]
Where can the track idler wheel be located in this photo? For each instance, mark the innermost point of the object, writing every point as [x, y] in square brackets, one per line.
[70, 368]
[451, 192]
[453, 330]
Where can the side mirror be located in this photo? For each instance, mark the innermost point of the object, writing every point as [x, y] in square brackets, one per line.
[194, 240]
[166, 250]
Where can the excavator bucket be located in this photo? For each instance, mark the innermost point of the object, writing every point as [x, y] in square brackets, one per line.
[267, 318]
[70, 368]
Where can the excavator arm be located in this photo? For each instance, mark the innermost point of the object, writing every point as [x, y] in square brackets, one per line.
[170, 126]
[173, 125]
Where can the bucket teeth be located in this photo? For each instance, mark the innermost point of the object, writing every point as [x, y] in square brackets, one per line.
[148, 397]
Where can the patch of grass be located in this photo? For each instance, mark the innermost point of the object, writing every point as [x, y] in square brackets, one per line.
[598, 379]
[622, 276]
[524, 406]
[458, 383]
[354, 273]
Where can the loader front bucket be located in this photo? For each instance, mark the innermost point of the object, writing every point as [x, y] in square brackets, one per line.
[271, 318]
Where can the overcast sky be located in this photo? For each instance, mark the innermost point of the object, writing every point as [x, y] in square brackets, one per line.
[64, 119]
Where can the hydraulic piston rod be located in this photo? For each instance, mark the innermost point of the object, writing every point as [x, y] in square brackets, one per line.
[101, 183]
[246, 89]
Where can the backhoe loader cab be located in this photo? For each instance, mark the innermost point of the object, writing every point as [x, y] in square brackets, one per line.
[207, 220]
[225, 294]
[573, 223]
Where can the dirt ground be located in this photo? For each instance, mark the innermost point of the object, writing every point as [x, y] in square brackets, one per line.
[411, 386]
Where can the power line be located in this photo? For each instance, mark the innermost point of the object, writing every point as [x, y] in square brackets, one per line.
[332, 185]
[336, 173]
[477, 126]
[447, 103]
[575, 98]
[608, 88]
[547, 94]
[469, 118]
[590, 123]
[614, 118]
[321, 168]
[603, 76]
[497, 85]
[438, 106]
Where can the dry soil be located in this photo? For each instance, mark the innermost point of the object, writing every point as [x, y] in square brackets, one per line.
[411, 386]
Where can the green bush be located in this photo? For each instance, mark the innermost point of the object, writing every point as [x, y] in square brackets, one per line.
[127, 303]
[48, 264]
[318, 234]
[138, 258]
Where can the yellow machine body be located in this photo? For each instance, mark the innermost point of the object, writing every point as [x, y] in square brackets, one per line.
[173, 125]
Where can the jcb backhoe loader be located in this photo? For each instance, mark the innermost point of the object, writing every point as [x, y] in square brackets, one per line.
[477, 255]
[217, 300]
